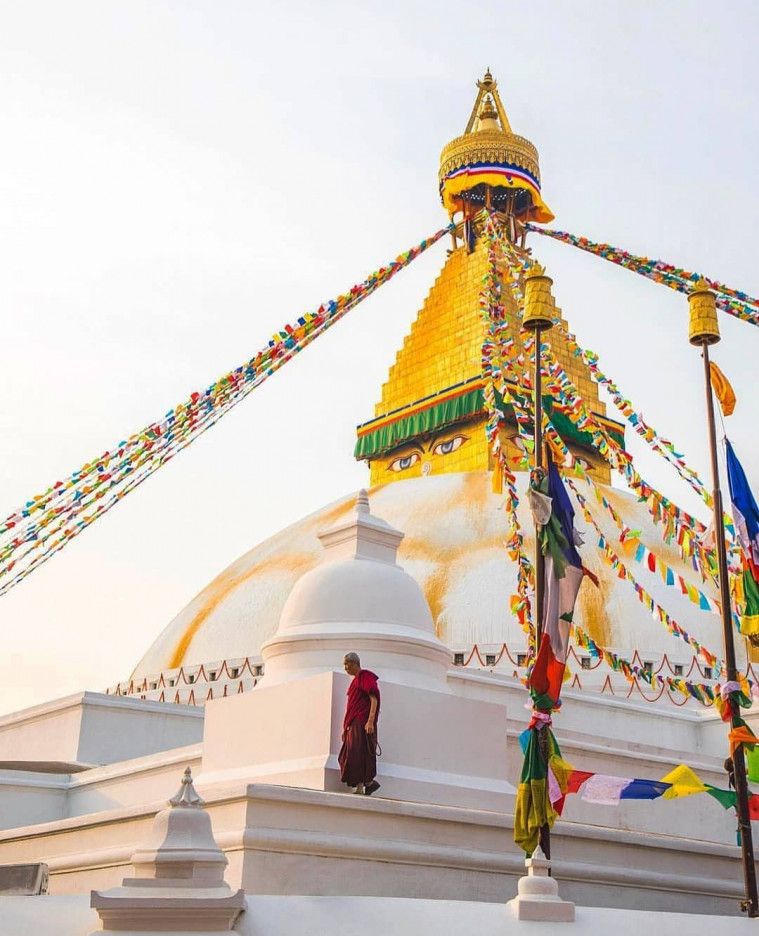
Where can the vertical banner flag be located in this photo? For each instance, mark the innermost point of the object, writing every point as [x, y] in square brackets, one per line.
[563, 576]
[722, 389]
[746, 514]
[542, 785]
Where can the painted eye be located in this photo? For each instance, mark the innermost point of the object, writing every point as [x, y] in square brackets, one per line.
[403, 464]
[450, 445]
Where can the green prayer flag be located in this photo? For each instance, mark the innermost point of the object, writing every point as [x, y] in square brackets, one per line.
[752, 761]
[533, 807]
[726, 798]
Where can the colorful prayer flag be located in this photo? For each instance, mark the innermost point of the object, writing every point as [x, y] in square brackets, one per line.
[563, 576]
[746, 514]
[533, 807]
[685, 782]
[722, 389]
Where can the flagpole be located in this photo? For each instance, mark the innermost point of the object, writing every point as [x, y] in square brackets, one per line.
[538, 317]
[704, 331]
[540, 561]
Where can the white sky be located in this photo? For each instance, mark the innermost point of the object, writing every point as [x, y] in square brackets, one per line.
[177, 179]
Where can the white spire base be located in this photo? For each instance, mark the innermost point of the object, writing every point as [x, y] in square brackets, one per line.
[538, 894]
[178, 884]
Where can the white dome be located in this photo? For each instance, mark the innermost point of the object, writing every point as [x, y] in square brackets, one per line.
[358, 581]
[357, 591]
[453, 548]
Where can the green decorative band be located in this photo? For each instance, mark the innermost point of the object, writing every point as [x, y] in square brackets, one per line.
[453, 409]
[391, 435]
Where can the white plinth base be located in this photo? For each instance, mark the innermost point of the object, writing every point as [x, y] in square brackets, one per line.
[542, 910]
[436, 747]
[142, 911]
[538, 895]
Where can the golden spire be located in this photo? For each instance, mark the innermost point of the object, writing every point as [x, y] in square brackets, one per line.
[488, 87]
[490, 155]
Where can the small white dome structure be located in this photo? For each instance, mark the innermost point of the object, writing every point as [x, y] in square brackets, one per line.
[357, 599]
[178, 881]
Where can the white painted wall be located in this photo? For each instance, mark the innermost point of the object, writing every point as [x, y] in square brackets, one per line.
[90, 728]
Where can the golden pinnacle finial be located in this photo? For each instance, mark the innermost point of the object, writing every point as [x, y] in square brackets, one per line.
[488, 111]
[488, 83]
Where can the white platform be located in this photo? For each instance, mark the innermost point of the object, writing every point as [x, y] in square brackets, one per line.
[371, 916]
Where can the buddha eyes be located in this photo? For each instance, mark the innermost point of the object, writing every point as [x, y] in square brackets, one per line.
[439, 448]
[402, 464]
[450, 445]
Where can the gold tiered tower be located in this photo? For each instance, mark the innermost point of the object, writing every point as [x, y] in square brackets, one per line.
[431, 418]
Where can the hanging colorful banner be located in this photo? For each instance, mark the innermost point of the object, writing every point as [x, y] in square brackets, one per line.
[554, 519]
[746, 514]
[730, 300]
[723, 389]
[496, 369]
[41, 527]
[654, 608]
[703, 692]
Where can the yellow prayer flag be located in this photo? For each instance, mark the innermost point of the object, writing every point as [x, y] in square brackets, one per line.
[750, 625]
[722, 389]
[561, 770]
[531, 811]
[497, 480]
[685, 782]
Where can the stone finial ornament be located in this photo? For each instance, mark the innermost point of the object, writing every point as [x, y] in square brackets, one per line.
[187, 795]
[538, 894]
[362, 501]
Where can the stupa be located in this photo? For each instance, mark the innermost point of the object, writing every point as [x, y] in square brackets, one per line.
[414, 575]
[431, 470]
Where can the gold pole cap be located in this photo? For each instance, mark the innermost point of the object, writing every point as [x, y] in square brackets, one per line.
[703, 326]
[539, 304]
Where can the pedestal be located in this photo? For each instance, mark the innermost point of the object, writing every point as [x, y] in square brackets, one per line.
[436, 747]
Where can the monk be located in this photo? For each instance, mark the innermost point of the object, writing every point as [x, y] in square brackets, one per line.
[358, 755]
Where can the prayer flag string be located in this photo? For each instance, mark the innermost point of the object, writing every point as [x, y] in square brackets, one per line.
[48, 521]
[496, 367]
[640, 553]
[678, 525]
[658, 443]
[732, 301]
[703, 692]
[606, 790]
[655, 609]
